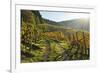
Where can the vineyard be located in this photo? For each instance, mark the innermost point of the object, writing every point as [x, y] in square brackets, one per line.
[42, 42]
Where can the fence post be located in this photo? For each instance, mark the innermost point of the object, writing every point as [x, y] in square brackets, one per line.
[84, 42]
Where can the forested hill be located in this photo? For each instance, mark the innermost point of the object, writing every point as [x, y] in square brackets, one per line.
[34, 17]
[29, 16]
[50, 22]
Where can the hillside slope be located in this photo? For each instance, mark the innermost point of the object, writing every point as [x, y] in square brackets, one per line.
[44, 40]
[76, 24]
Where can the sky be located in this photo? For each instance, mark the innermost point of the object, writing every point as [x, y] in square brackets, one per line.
[62, 16]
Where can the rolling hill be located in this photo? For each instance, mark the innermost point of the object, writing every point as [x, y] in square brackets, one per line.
[82, 24]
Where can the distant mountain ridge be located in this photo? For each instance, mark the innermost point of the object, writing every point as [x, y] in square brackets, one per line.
[76, 24]
[79, 24]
